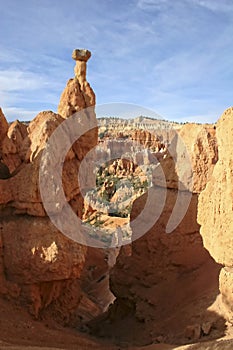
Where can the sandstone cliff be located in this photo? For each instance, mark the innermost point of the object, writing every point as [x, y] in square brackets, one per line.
[37, 262]
[165, 283]
[215, 210]
[11, 138]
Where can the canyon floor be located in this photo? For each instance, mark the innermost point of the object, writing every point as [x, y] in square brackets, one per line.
[20, 331]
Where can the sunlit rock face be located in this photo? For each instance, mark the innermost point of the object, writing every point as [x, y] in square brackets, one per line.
[215, 210]
[78, 93]
[43, 266]
[161, 280]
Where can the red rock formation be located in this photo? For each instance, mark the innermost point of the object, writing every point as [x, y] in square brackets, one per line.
[78, 94]
[166, 281]
[147, 139]
[22, 190]
[4, 125]
[44, 264]
[37, 255]
[9, 153]
[203, 151]
[193, 152]
[215, 209]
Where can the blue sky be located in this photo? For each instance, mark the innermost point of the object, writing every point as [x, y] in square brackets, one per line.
[172, 56]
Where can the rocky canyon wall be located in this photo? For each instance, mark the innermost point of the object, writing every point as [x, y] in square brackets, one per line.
[38, 264]
[165, 282]
[215, 210]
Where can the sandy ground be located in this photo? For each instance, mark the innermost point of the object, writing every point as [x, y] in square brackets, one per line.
[221, 345]
[19, 331]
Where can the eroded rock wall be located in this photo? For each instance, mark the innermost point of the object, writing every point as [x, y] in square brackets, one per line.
[160, 281]
[42, 266]
[78, 93]
[215, 210]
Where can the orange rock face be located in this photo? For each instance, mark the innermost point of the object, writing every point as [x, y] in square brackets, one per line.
[21, 191]
[8, 149]
[39, 259]
[147, 139]
[215, 209]
[78, 94]
[201, 144]
[162, 275]
[156, 282]
[190, 159]
[44, 264]
[35, 251]
[4, 125]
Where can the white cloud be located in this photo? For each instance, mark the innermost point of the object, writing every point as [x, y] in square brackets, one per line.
[182, 70]
[13, 80]
[212, 5]
[8, 56]
[143, 50]
[152, 4]
[13, 113]
[215, 5]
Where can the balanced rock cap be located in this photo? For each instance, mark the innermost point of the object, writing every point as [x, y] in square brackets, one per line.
[81, 55]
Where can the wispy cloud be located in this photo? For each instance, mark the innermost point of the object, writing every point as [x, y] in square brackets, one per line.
[14, 113]
[212, 5]
[17, 80]
[152, 4]
[215, 5]
[172, 56]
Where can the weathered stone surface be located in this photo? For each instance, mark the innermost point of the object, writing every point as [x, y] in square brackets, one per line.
[58, 299]
[8, 151]
[163, 274]
[45, 266]
[12, 144]
[226, 289]
[10, 157]
[81, 55]
[78, 94]
[95, 277]
[206, 328]
[17, 132]
[147, 139]
[215, 210]
[35, 251]
[39, 131]
[3, 126]
[190, 159]
[75, 98]
[22, 190]
[193, 332]
[201, 143]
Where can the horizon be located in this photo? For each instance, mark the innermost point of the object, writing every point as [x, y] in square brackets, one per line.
[174, 58]
[131, 119]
